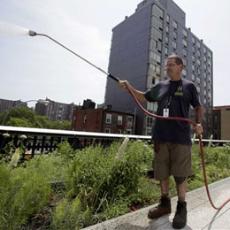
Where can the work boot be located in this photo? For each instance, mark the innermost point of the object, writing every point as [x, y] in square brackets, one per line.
[163, 208]
[180, 218]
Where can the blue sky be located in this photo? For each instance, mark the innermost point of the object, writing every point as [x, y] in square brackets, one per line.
[34, 67]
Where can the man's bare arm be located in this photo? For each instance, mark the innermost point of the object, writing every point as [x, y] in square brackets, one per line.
[198, 114]
[138, 94]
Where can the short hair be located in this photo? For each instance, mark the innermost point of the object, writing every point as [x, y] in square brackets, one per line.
[178, 59]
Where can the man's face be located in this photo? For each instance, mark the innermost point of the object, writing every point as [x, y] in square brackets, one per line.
[172, 68]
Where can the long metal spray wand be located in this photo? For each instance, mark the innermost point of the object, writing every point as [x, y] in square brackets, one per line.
[33, 33]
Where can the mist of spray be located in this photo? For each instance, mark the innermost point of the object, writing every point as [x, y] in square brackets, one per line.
[12, 30]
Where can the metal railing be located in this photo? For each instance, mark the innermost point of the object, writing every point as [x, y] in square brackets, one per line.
[36, 140]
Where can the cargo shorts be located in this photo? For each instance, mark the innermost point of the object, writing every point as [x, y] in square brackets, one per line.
[171, 159]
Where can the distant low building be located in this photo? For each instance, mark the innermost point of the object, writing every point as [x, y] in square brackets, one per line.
[55, 110]
[104, 119]
[5, 104]
[221, 122]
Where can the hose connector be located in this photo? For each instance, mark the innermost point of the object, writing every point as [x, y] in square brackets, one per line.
[32, 33]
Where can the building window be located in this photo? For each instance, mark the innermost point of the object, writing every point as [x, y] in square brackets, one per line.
[174, 44]
[174, 35]
[153, 44]
[119, 120]
[185, 33]
[193, 77]
[129, 120]
[108, 119]
[148, 131]
[166, 51]
[198, 81]
[185, 62]
[152, 69]
[185, 43]
[156, 23]
[158, 70]
[149, 121]
[154, 57]
[185, 52]
[84, 119]
[157, 12]
[193, 40]
[167, 18]
[167, 40]
[129, 131]
[193, 50]
[184, 73]
[167, 29]
[209, 55]
[156, 34]
[193, 68]
[150, 106]
[193, 58]
[107, 130]
[174, 25]
[159, 45]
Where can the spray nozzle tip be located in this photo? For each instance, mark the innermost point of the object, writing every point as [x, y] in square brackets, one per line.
[32, 33]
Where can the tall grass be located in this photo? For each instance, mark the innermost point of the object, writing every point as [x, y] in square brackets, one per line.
[77, 188]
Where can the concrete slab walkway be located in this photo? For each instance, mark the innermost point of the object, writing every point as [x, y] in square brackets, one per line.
[200, 213]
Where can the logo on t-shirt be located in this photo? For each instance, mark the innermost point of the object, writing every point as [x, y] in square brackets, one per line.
[179, 91]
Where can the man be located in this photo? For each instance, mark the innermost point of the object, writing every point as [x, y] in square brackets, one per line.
[172, 139]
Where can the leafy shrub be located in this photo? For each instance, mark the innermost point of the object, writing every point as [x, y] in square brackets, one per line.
[66, 152]
[52, 167]
[98, 185]
[147, 193]
[25, 193]
[70, 215]
[99, 179]
[217, 165]
[117, 208]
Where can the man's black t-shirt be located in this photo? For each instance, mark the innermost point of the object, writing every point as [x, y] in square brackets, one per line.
[177, 96]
